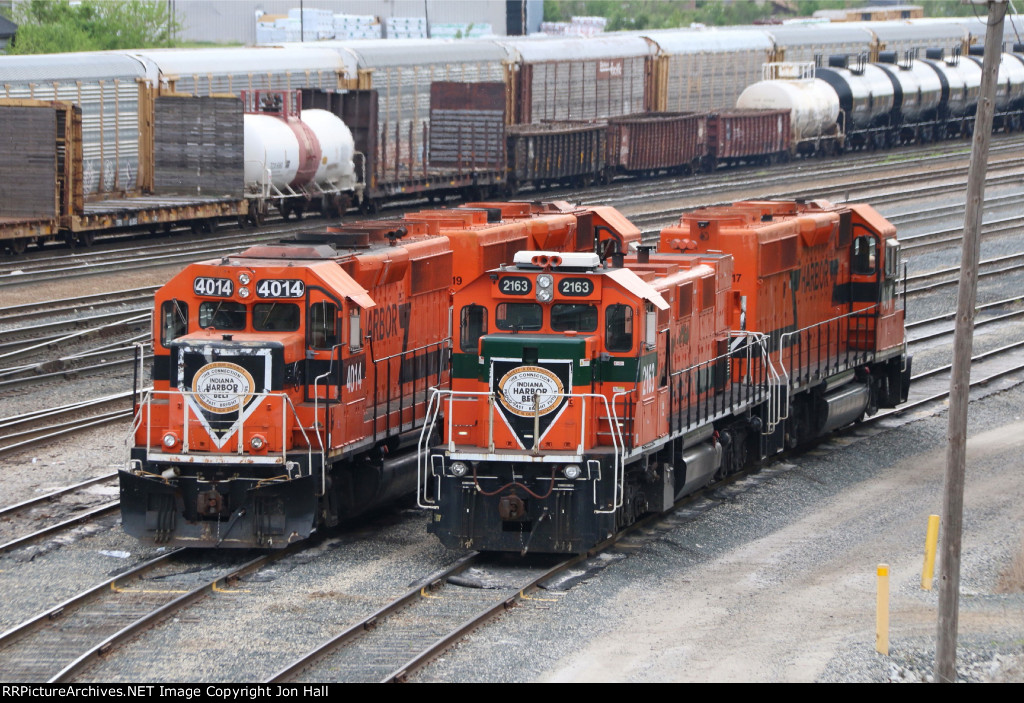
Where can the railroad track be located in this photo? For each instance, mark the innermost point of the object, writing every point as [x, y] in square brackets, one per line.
[19, 432]
[61, 641]
[392, 642]
[652, 221]
[60, 510]
[396, 641]
[133, 299]
[950, 276]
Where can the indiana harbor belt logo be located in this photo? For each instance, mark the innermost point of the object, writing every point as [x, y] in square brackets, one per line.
[222, 387]
[530, 397]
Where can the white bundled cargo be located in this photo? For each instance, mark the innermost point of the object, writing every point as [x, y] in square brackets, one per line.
[356, 27]
[405, 27]
[313, 23]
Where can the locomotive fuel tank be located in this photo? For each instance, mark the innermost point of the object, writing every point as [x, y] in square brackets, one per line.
[866, 93]
[813, 104]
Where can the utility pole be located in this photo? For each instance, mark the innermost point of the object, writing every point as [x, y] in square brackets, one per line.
[960, 382]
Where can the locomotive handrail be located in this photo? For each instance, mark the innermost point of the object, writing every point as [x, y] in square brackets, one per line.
[327, 422]
[145, 407]
[423, 459]
[770, 390]
[440, 346]
[422, 453]
[824, 324]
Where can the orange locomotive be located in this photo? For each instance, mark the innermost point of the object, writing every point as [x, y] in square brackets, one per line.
[290, 381]
[585, 394]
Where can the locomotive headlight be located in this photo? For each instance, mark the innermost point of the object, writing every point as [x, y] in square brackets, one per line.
[545, 291]
[243, 278]
[257, 442]
[458, 469]
[571, 471]
[170, 439]
[243, 292]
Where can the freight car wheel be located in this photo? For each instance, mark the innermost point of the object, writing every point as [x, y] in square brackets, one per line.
[85, 239]
[257, 215]
[18, 246]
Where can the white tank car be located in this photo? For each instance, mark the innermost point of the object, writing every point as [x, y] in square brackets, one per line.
[337, 148]
[812, 104]
[290, 154]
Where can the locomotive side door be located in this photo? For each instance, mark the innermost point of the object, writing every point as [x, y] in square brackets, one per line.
[322, 375]
[890, 316]
[865, 293]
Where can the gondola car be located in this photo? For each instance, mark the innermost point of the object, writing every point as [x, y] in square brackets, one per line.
[290, 380]
[586, 393]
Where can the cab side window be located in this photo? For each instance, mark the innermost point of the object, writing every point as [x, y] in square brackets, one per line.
[173, 320]
[472, 326]
[864, 255]
[323, 325]
[618, 328]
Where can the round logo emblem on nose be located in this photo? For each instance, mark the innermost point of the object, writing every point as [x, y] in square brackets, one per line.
[222, 387]
[526, 390]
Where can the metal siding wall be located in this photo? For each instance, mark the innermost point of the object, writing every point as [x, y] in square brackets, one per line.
[706, 82]
[571, 90]
[28, 171]
[233, 83]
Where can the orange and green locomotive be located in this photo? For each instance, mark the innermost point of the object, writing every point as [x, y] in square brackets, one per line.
[586, 392]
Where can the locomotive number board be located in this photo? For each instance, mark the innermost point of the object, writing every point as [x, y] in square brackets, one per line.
[581, 287]
[213, 287]
[280, 288]
[514, 285]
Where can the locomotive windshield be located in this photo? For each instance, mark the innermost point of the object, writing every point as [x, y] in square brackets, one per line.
[573, 317]
[518, 316]
[222, 315]
[275, 317]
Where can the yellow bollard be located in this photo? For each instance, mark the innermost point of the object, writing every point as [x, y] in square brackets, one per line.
[882, 611]
[930, 543]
